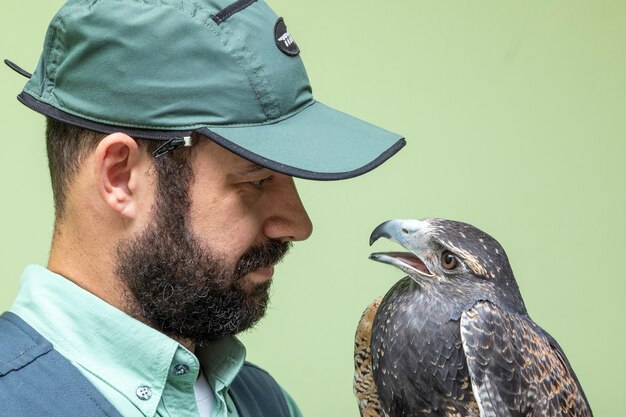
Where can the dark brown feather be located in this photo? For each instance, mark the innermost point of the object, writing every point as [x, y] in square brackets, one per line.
[364, 387]
[516, 368]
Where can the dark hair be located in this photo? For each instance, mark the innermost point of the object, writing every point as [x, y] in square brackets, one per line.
[68, 146]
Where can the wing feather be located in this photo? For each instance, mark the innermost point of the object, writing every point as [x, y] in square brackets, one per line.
[516, 368]
[364, 386]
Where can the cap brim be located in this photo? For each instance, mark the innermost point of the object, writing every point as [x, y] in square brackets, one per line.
[318, 143]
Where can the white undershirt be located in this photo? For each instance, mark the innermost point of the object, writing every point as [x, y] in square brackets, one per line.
[204, 396]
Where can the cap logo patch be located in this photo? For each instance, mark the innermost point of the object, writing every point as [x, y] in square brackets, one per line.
[283, 39]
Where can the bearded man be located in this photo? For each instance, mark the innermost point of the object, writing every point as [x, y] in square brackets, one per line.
[174, 131]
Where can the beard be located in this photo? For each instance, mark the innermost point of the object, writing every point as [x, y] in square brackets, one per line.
[181, 288]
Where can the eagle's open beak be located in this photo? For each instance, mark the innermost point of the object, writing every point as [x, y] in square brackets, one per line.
[402, 232]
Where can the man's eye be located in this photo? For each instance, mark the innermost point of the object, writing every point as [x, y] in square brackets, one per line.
[260, 183]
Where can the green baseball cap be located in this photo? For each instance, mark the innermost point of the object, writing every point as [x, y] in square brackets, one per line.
[230, 71]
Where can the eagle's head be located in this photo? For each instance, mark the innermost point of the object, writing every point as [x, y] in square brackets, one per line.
[452, 258]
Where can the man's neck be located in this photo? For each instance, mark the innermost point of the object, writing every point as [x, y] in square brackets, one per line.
[102, 282]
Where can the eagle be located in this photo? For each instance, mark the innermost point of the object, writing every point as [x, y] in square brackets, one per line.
[453, 338]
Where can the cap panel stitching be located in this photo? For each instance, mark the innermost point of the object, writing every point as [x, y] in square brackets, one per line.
[51, 63]
[270, 106]
[53, 60]
[45, 61]
[238, 61]
[207, 22]
[173, 128]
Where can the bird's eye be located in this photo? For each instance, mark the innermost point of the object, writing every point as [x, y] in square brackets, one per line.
[448, 260]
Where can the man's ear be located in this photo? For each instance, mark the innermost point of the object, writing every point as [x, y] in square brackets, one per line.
[118, 159]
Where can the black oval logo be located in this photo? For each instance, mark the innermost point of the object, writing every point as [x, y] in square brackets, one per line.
[283, 39]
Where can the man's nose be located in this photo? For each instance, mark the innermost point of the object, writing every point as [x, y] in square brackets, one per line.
[289, 220]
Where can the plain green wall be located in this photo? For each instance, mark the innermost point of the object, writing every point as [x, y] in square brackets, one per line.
[515, 117]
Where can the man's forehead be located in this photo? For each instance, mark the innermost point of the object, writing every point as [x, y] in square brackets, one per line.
[228, 161]
[246, 169]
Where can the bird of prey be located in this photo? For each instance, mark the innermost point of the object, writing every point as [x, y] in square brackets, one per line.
[453, 338]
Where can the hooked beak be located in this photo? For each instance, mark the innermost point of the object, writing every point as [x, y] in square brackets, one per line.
[406, 233]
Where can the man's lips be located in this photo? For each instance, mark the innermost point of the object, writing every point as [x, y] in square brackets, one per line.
[262, 274]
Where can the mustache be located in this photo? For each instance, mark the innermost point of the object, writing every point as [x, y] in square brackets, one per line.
[264, 256]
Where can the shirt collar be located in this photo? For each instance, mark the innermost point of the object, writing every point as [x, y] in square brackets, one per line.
[118, 349]
[222, 361]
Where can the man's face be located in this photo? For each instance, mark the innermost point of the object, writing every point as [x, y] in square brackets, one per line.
[237, 205]
[202, 268]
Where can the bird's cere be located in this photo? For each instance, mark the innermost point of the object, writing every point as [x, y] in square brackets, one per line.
[398, 230]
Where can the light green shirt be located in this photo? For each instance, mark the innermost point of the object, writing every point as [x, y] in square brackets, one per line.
[142, 372]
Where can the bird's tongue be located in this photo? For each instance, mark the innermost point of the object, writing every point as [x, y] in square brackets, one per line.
[409, 259]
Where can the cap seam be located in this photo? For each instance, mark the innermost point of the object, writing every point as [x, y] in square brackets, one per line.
[186, 127]
[61, 19]
[257, 72]
[49, 59]
[203, 21]
[52, 58]
[239, 63]
[266, 123]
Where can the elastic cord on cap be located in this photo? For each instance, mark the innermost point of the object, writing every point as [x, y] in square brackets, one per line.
[17, 68]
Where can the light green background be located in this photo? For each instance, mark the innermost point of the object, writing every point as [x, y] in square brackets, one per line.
[515, 116]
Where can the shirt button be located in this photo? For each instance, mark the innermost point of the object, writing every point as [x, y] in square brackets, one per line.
[144, 393]
[181, 369]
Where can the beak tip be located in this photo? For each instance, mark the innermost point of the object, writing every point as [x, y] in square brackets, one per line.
[382, 230]
[376, 257]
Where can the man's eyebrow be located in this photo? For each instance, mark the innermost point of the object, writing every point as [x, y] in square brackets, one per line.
[251, 168]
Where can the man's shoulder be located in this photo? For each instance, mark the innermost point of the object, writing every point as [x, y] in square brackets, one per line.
[284, 397]
[254, 374]
[255, 369]
[36, 380]
[256, 389]
[20, 344]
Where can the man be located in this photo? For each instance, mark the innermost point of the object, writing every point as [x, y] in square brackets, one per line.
[174, 131]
